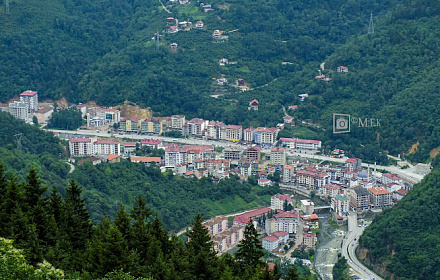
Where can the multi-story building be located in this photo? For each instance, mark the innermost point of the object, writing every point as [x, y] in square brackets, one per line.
[278, 156]
[106, 147]
[216, 130]
[218, 164]
[31, 99]
[217, 225]
[340, 204]
[131, 124]
[359, 198]
[309, 239]
[270, 243]
[307, 207]
[253, 153]
[380, 197]
[175, 156]
[80, 147]
[20, 110]
[311, 179]
[288, 172]
[248, 134]
[195, 127]
[151, 125]
[331, 190]
[109, 115]
[283, 221]
[234, 133]
[232, 153]
[353, 164]
[244, 219]
[279, 200]
[177, 122]
[265, 135]
[305, 144]
[154, 144]
[288, 142]
[388, 178]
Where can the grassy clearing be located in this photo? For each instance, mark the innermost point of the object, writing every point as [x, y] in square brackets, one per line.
[237, 204]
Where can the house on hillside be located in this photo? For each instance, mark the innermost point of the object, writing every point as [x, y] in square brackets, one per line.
[342, 69]
[253, 105]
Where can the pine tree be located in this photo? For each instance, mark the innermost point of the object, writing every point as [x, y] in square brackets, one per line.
[201, 255]
[250, 250]
[76, 225]
[292, 274]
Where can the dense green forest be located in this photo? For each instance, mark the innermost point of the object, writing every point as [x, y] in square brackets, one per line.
[403, 241]
[102, 50]
[70, 119]
[57, 240]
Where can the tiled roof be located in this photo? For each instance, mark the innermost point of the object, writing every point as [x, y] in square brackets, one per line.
[80, 140]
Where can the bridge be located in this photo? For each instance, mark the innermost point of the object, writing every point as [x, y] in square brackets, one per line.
[322, 207]
[296, 189]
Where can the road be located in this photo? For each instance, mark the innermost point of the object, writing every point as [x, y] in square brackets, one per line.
[407, 174]
[142, 137]
[349, 246]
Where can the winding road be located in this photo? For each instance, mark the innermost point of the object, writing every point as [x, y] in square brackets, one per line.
[349, 245]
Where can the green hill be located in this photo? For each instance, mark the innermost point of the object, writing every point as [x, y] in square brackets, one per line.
[403, 242]
[103, 51]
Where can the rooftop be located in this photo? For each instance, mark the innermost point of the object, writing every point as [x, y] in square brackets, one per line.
[28, 93]
[80, 140]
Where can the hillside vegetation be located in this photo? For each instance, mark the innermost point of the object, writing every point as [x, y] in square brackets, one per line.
[102, 50]
[403, 242]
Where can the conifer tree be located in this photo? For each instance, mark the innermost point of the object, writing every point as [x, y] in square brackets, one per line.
[250, 250]
[292, 273]
[201, 255]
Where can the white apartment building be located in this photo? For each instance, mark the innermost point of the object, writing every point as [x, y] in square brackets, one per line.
[340, 204]
[305, 144]
[177, 122]
[277, 156]
[277, 201]
[80, 147]
[20, 110]
[106, 147]
[234, 132]
[31, 99]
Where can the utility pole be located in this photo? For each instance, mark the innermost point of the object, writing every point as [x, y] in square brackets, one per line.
[371, 26]
[18, 137]
[7, 6]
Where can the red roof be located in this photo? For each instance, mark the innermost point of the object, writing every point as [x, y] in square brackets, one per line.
[187, 173]
[402, 191]
[287, 139]
[285, 214]
[352, 160]
[28, 93]
[254, 101]
[231, 126]
[81, 105]
[132, 119]
[313, 217]
[244, 218]
[283, 197]
[293, 106]
[378, 191]
[392, 177]
[309, 235]
[279, 233]
[130, 144]
[111, 157]
[342, 67]
[151, 142]
[270, 238]
[107, 109]
[277, 149]
[80, 140]
[266, 129]
[271, 265]
[331, 186]
[264, 180]
[109, 142]
[306, 141]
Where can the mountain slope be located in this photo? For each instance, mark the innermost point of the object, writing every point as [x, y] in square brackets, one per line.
[403, 241]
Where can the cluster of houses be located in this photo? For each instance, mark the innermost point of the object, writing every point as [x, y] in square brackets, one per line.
[279, 226]
[27, 107]
[174, 25]
[339, 69]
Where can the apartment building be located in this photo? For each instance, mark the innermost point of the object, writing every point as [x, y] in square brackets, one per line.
[277, 156]
[380, 197]
[31, 99]
[234, 133]
[106, 147]
[80, 147]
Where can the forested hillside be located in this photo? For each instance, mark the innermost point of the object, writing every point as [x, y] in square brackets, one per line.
[103, 51]
[57, 240]
[403, 241]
